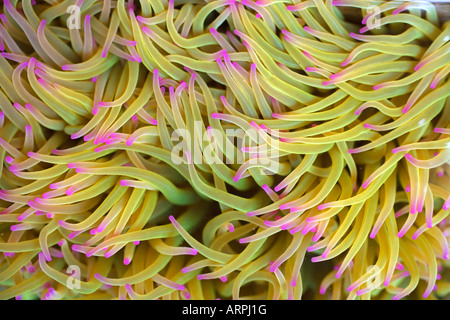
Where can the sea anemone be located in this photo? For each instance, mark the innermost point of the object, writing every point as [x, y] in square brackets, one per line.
[224, 149]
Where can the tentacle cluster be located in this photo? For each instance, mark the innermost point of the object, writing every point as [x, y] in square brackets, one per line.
[223, 150]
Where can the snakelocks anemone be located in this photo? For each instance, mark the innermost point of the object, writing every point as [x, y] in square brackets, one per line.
[224, 149]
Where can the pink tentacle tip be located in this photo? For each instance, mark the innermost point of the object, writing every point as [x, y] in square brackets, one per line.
[285, 32]
[140, 18]
[109, 254]
[47, 195]
[126, 261]
[268, 223]
[223, 279]
[363, 29]
[31, 154]
[446, 206]
[338, 274]
[426, 294]
[378, 86]
[180, 287]
[408, 188]
[350, 288]
[345, 62]
[224, 54]
[98, 276]
[276, 115]
[334, 76]
[254, 125]
[418, 66]
[401, 233]
[61, 223]
[406, 108]
[39, 200]
[366, 184]
[185, 270]
[323, 290]
[72, 165]
[397, 11]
